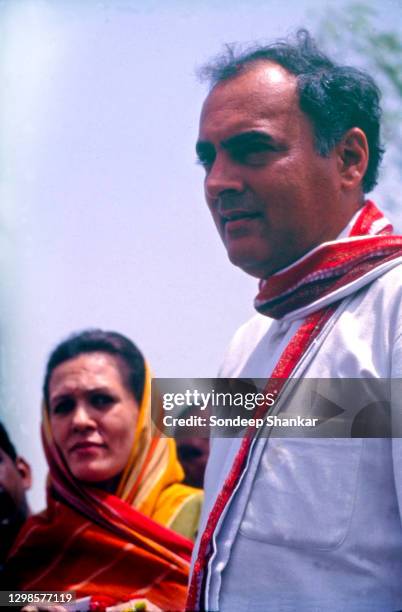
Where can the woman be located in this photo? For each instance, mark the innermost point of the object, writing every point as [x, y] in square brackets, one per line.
[118, 521]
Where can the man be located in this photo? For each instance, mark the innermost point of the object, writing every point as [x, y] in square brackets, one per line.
[193, 455]
[15, 480]
[290, 144]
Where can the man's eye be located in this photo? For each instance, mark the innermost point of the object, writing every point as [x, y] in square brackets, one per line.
[205, 162]
[256, 154]
[101, 400]
[64, 406]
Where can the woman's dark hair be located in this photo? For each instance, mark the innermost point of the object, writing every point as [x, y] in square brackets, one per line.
[335, 98]
[127, 355]
[5, 443]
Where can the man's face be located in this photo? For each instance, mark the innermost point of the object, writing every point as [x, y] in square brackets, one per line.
[271, 195]
[193, 455]
[15, 479]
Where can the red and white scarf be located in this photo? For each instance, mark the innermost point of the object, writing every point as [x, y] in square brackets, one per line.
[319, 280]
[332, 268]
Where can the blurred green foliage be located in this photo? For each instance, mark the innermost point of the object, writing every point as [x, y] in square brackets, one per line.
[354, 34]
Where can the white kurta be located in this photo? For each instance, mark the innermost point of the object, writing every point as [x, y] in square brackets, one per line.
[314, 524]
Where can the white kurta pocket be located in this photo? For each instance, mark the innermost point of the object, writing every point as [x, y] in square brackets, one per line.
[303, 493]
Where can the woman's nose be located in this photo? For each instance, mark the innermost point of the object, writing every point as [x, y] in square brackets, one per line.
[82, 418]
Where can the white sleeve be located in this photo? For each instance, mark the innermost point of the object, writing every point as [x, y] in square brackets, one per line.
[396, 407]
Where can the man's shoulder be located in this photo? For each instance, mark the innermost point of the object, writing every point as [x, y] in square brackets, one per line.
[385, 293]
[243, 342]
[253, 329]
[392, 278]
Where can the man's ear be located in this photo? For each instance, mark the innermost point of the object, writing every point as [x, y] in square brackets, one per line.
[24, 470]
[353, 154]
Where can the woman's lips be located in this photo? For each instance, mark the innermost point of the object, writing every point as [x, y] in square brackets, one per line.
[86, 447]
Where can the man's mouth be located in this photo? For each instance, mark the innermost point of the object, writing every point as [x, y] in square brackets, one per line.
[235, 220]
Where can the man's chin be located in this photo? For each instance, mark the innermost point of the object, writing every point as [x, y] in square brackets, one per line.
[250, 265]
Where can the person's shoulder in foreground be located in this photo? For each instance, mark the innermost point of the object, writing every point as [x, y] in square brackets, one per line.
[15, 480]
[290, 144]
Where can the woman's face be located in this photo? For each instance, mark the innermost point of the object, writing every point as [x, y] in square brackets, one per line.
[92, 416]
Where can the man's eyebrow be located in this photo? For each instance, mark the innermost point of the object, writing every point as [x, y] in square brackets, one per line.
[247, 138]
[203, 147]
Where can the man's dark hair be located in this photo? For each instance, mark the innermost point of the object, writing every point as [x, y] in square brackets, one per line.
[127, 355]
[5, 443]
[335, 98]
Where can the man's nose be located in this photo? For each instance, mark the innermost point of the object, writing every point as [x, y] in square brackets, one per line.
[224, 176]
[82, 418]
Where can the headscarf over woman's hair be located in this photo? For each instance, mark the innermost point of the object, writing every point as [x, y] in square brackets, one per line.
[96, 543]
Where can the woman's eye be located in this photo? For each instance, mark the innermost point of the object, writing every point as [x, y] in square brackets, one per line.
[64, 406]
[100, 400]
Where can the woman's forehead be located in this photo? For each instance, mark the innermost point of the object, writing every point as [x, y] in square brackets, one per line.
[86, 371]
